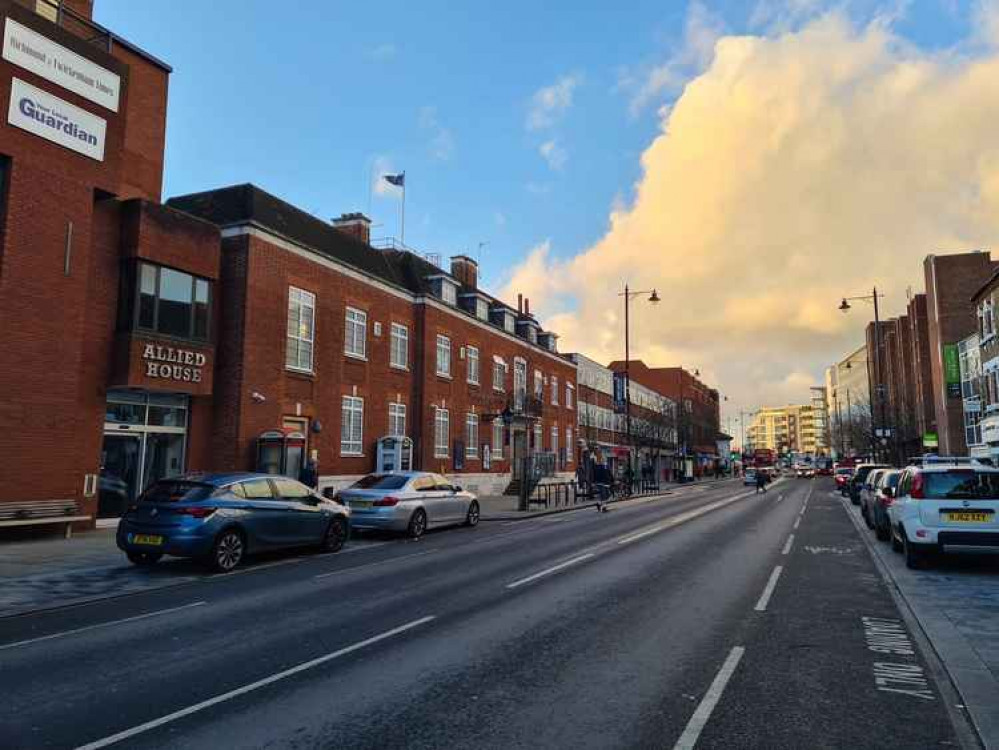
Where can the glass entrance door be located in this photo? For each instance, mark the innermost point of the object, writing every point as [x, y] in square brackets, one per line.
[119, 477]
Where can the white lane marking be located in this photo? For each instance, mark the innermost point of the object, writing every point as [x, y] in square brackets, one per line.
[700, 718]
[779, 498]
[556, 519]
[340, 571]
[549, 571]
[797, 522]
[787, 547]
[87, 628]
[761, 605]
[362, 548]
[682, 518]
[221, 698]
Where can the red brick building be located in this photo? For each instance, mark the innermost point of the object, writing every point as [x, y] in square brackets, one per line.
[143, 340]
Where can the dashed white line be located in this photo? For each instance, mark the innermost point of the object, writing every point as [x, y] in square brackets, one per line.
[700, 718]
[779, 498]
[87, 628]
[549, 571]
[682, 518]
[193, 709]
[761, 605]
[797, 522]
[787, 547]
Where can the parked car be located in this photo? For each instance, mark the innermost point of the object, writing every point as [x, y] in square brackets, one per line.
[221, 518]
[842, 478]
[408, 502]
[749, 478]
[878, 499]
[867, 491]
[858, 479]
[944, 504]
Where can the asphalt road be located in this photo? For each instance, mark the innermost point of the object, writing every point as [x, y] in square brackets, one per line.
[691, 621]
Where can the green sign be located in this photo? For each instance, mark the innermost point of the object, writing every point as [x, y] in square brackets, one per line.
[952, 365]
[930, 440]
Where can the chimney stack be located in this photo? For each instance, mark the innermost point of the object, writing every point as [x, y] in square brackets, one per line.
[520, 304]
[356, 224]
[527, 306]
[465, 270]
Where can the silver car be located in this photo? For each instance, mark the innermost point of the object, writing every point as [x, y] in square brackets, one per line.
[408, 501]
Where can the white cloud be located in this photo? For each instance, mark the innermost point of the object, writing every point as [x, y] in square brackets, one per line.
[549, 103]
[383, 52]
[538, 188]
[795, 169]
[653, 83]
[553, 154]
[441, 140]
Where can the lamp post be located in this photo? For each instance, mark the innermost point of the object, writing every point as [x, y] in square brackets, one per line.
[845, 307]
[654, 299]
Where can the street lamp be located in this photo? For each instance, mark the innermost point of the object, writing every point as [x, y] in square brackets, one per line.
[844, 307]
[654, 299]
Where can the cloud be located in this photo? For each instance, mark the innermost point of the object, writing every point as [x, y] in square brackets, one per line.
[538, 188]
[553, 154]
[441, 140]
[383, 52]
[797, 168]
[651, 83]
[549, 103]
[499, 218]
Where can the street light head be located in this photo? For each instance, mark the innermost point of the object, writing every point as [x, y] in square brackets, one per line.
[844, 306]
[654, 297]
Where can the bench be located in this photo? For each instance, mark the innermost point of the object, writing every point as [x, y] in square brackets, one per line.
[41, 512]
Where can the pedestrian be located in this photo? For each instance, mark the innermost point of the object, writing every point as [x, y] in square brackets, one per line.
[309, 475]
[761, 481]
[602, 480]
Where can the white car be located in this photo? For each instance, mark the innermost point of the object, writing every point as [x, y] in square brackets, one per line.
[943, 504]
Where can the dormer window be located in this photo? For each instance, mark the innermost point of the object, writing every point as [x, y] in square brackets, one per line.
[481, 309]
[509, 323]
[445, 289]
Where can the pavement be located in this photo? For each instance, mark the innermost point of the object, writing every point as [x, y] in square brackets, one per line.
[713, 618]
[956, 604]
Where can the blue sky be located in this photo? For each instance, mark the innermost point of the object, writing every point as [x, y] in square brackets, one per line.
[304, 101]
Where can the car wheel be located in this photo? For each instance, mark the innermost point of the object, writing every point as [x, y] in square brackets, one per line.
[472, 518]
[915, 557]
[881, 531]
[896, 540]
[336, 536]
[417, 524]
[228, 551]
[144, 559]
[854, 500]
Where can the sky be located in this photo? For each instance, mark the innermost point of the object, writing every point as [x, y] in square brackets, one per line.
[753, 161]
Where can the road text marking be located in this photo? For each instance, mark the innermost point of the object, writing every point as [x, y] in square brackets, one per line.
[904, 679]
[100, 625]
[787, 547]
[141, 728]
[696, 724]
[887, 636]
[549, 571]
[761, 605]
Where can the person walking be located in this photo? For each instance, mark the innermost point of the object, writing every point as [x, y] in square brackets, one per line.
[761, 482]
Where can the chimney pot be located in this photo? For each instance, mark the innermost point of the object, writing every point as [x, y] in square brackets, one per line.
[520, 304]
[527, 305]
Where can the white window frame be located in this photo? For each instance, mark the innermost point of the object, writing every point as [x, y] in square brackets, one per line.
[355, 326]
[570, 392]
[481, 309]
[539, 385]
[472, 364]
[300, 301]
[351, 416]
[449, 292]
[499, 369]
[399, 346]
[509, 323]
[553, 437]
[471, 435]
[497, 447]
[569, 449]
[539, 437]
[396, 419]
[442, 432]
[443, 355]
[553, 383]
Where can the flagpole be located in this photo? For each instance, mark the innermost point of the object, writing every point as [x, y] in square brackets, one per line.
[403, 232]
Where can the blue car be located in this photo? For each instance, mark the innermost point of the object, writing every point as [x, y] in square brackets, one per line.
[220, 518]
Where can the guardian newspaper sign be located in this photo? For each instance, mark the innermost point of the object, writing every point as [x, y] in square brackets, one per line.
[62, 66]
[53, 119]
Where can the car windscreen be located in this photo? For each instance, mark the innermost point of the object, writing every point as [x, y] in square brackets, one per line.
[176, 491]
[961, 485]
[844, 471]
[891, 480]
[380, 482]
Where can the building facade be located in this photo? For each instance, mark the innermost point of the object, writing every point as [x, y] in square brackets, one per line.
[787, 429]
[980, 372]
[848, 403]
[972, 380]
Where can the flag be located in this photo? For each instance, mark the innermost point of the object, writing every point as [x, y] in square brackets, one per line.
[399, 180]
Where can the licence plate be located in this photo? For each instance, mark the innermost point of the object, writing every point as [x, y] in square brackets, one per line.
[360, 504]
[968, 516]
[152, 539]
